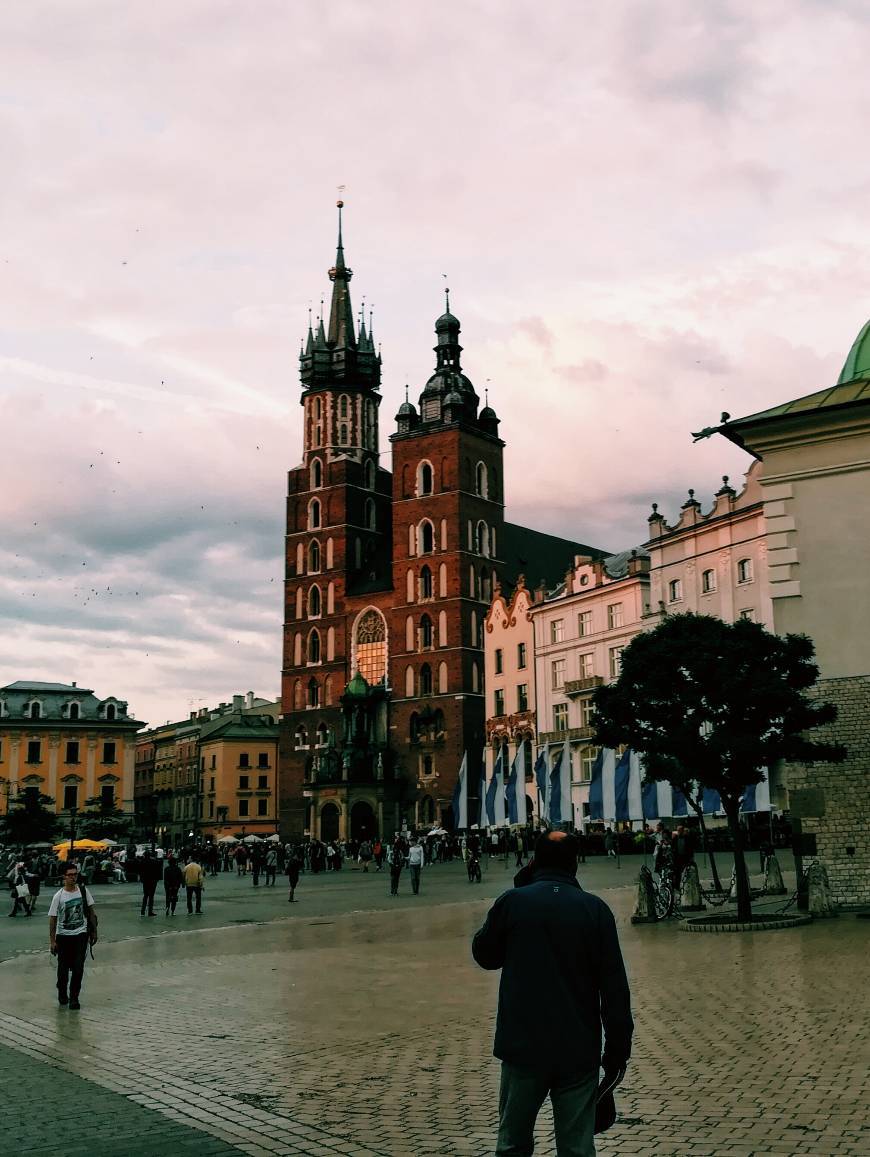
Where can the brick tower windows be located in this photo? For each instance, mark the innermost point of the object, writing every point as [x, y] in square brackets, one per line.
[370, 474]
[442, 628]
[442, 678]
[426, 537]
[426, 634]
[370, 646]
[314, 557]
[425, 478]
[313, 649]
[409, 587]
[442, 581]
[425, 679]
[314, 602]
[481, 481]
[425, 583]
[314, 514]
[316, 474]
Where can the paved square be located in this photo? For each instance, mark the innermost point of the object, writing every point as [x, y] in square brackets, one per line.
[356, 1025]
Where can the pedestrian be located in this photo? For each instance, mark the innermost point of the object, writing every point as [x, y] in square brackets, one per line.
[365, 855]
[72, 926]
[149, 874]
[551, 938]
[293, 868]
[415, 863]
[193, 881]
[271, 866]
[683, 848]
[610, 842]
[33, 880]
[397, 860]
[378, 853]
[173, 878]
[19, 892]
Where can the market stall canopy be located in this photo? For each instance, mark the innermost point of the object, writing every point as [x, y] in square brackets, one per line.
[252, 840]
[227, 840]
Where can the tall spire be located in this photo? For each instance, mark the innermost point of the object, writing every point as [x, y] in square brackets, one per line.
[341, 328]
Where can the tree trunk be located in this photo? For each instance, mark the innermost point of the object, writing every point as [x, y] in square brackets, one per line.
[744, 899]
[713, 870]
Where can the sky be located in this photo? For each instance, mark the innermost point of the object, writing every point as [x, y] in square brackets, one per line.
[647, 214]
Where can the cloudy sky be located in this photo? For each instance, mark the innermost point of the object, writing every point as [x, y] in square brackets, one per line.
[648, 213]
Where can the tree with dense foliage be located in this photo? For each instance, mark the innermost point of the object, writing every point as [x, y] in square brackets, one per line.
[29, 820]
[103, 820]
[715, 703]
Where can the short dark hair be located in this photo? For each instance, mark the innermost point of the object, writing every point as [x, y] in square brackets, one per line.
[557, 850]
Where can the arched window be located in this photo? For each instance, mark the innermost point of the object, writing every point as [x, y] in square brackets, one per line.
[322, 734]
[472, 582]
[475, 630]
[370, 474]
[470, 535]
[475, 677]
[300, 558]
[330, 599]
[318, 435]
[485, 588]
[313, 693]
[427, 537]
[316, 474]
[299, 602]
[412, 540]
[342, 406]
[318, 409]
[406, 481]
[313, 556]
[442, 678]
[428, 768]
[370, 513]
[480, 480]
[35, 710]
[111, 711]
[424, 479]
[342, 434]
[414, 726]
[409, 587]
[371, 424]
[443, 533]
[425, 583]
[425, 679]
[493, 550]
[425, 633]
[330, 644]
[481, 538]
[442, 628]
[438, 723]
[409, 682]
[74, 710]
[314, 647]
[357, 552]
[370, 646]
[409, 633]
[329, 554]
[300, 737]
[297, 650]
[314, 602]
[297, 695]
[327, 691]
[314, 514]
[493, 485]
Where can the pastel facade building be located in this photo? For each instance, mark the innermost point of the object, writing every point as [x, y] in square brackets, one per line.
[580, 631]
[64, 742]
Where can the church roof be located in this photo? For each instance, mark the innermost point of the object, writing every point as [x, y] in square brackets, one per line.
[857, 364]
[539, 556]
[32, 685]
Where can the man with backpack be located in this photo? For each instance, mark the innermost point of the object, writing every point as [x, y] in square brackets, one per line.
[72, 926]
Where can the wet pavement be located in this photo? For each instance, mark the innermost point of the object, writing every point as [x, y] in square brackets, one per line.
[354, 1024]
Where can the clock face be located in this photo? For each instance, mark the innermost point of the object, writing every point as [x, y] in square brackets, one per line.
[431, 409]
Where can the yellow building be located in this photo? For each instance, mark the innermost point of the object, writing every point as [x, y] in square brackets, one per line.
[59, 740]
[238, 758]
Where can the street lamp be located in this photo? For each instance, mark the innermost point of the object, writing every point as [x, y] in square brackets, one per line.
[73, 812]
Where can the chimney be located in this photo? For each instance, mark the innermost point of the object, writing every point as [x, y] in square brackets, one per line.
[249, 699]
[74, 683]
[238, 702]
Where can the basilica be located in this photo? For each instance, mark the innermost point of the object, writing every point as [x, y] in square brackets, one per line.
[389, 575]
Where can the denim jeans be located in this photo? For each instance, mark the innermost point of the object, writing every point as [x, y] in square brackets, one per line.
[521, 1095]
[71, 954]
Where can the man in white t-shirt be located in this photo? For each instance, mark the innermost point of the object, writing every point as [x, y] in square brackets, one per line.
[415, 863]
[71, 927]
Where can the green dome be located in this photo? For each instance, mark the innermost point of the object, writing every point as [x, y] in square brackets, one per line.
[858, 362]
[357, 688]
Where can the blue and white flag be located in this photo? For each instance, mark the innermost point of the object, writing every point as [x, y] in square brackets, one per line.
[756, 797]
[482, 820]
[460, 796]
[541, 780]
[515, 792]
[555, 790]
[492, 793]
[596, 788]
[621, 776]
[711, 801]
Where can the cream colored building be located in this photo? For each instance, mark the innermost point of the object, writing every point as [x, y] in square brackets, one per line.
[580, 631]
[814, 473]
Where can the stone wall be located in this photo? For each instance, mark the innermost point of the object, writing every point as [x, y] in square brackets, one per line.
[840, 793]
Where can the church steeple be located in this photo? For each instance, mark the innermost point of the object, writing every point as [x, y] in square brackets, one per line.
[334, 356]
[341, 331]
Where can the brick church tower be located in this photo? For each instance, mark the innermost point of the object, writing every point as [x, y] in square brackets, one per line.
[388, 579]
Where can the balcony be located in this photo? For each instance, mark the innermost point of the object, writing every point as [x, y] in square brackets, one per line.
[579, 686]
[573, 734]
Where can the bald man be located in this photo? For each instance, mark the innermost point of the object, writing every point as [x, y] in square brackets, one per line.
[563, 981]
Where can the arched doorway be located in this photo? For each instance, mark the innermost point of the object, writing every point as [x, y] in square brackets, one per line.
[329, 815]
[363, 825]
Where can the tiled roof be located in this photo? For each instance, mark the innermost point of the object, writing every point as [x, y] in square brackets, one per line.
[33, 685]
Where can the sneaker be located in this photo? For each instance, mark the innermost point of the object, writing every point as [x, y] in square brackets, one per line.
[74, 1004]
[62, 998]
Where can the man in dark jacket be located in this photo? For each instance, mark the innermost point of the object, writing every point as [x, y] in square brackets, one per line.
[562, 978]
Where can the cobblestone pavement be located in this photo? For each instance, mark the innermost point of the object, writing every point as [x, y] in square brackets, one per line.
[360, 1027]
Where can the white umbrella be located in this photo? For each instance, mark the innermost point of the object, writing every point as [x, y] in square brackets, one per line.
[252, 840]
[273, 839]
[228, 840]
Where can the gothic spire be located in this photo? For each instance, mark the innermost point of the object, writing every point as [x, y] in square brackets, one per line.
[341, 328]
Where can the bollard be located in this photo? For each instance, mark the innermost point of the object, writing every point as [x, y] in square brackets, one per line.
[773, 885]
[690, 891]
[645, 912]
[821, 902]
